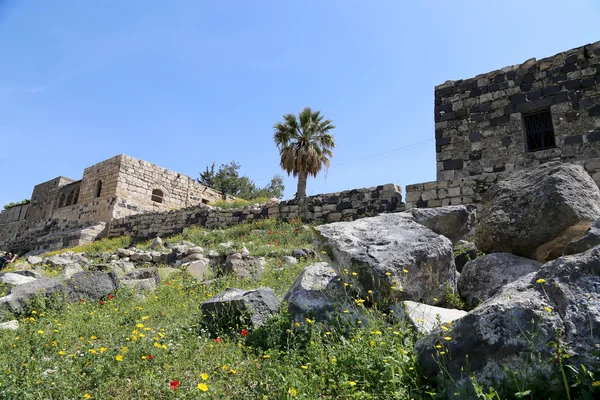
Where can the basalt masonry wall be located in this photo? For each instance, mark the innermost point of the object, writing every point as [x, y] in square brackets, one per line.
[331, 207]
[480, 123]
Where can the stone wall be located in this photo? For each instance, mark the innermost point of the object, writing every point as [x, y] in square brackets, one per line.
[43, 197]
[13, 214]
[347, 205]
[479, 125]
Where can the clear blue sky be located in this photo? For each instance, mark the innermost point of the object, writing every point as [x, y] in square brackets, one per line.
[184, 83]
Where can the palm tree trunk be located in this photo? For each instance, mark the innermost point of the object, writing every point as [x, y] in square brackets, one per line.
[301, 192]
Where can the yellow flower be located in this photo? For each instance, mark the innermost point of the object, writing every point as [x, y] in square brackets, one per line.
[352, 383]
[203, 387]
[346, 311]
[388, 273]
[310, 321]
[445, 328]
[145, 317]
[139, 326]
[354, 274]
[370, 291]
[119, 357]
[292, 392]
[442, 352]
[87, 396]
[296, 324]
[41, 332]
[103, 349]
[548, 309]
[157, 345]
[420, 320]
[93, 337]
[371, 343]
[541, 280]
[204, 376]
[359, 322]
[596, 383]
[405, 270]
[447, 338]
[266, 356]
[124, 349]
[61, 353]
[328, 333]
[93, 351]
[437, 346]
[435, 299]
[304, 367]
[144, 357]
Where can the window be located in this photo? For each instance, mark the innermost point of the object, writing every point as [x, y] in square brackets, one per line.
[157, 196]
[61, 201]
[76, 197]
[539, 131]
[70, 199]
[98, 188]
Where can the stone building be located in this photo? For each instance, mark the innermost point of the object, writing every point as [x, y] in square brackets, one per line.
[513, 118]
[114, 188]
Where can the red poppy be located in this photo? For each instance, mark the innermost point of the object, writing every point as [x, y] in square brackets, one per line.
[101, 302]
[81, 300]
[218, 340]
[174, 384]
[244, 332]
[110, 296]
[150, 357]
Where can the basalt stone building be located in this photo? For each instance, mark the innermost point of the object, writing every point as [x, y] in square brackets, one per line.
[513, 118]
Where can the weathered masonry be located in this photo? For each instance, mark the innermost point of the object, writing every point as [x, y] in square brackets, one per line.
[64, 212]
[518, 117]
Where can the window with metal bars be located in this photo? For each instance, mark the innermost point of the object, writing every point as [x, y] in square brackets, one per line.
[539, 130]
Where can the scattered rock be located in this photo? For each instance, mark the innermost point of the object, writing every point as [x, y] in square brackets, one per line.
[317, 293]
[484, 277]
[9, 326]
[198, 269]
[244, 252]
[21, 294]
[34, 260]
[71, 269]
[257, 305]
[273, 201]
[196, 250]
[299, 253]
[454, 222]
[289, 260]
[92, 285]
[590, 238]
[425, 318]
[157, 243]
[535, 213]
[141, 279]
[15, 279]
[187, 243]
[251, 268]
[392, 255]
[213, 254]
[58, 261]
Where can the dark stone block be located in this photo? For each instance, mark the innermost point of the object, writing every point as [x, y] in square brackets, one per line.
[499, 169]
[594, 111]
[475, 93]
[506, 141]
[594, 136]
[571, 116]
[461, 113]
[493, 87]
[443, 92]
[574, 139]
[442, 141]
[439, 133]
[454, 123]
[444, 108]
[474, 136]
[550, 90]
[448, 116]
[559, 78]
[574, 95]
[470, 85]
[437, 101]
[587, 82]
[536, 94]
[571, 59]
[509, 109]
[573, 84]
[475, 155]
[510, 75]
[499, 78]
[518, 99]
[477, 117]
[453, 164]
[343, 206]
[501, 120]
[503, 85]
[518, 80]
[529, 78]
[484, 89]
[526, 87]
[483, 107]
[437, 117]
[421, 204]
[331, 200]
[535, 105]
[561, 98]
[568, 68]
[597, 51]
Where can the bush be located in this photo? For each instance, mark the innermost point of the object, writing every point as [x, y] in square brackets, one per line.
[17, 203]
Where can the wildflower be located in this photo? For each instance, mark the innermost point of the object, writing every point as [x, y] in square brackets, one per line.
[119, 357]
[218, 340]
[354, 274]
[103, 349]
[145, 317]
[352, 383]
[596, 383]
[93, 351]
[225, 367]
[61, 353]
[87, 396]
[548, 309]
[174, 384]
[437, 346]
[442, 352]
[405, 270]
[388, 273]
[266, 356]
[41, 332]
[370, 291]
[292, 392]
[359, 322]
[150, 357]
[296, 324]
[371, 343]
[346, 311]
[110, 296]
[541, 280]
[445, 328]
[156, 345]
[328, 333]
[447, 338]
[93, 337]
[420, 320]
[140, 325]
[204, 376]
[101, 302]
[303, 367]
[244, 332]
[435, 299]
[310, 321]
[203, 387]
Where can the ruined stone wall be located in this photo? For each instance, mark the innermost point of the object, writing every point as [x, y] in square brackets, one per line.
[347, 205]
[479, 124]
[13, 214]
[43, 197]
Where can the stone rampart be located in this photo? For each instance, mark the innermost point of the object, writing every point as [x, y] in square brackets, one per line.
[331, 207]
[13, 214]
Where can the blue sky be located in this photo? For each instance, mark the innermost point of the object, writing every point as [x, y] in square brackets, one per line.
[184, 83]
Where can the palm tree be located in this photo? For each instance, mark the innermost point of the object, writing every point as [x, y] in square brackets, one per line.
[305, 144]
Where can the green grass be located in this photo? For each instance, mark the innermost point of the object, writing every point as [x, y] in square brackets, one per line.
[238, 203]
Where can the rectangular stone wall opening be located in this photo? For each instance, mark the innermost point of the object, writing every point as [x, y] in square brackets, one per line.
[539, 131]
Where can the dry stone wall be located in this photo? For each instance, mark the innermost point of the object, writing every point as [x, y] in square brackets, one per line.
[332, 207]
[13, 214]
[479, 122]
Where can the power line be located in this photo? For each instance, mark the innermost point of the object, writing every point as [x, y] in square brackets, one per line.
[384, 152]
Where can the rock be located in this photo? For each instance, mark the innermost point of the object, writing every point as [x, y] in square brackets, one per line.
[425, 318]
[15, 279]
[187, 243]
[250, 268]
[484, 277]
[317, 293]
[135, 256]
[392, 255]
[299, 253]
[58, 261]
[213, 254]
[244, 252]
[196, 250]
[535, 213]
[194, 257]
[256, 305]
[177, 252]
[590, 238]
[226, 245]
[158, 257]
[518, 323]
[93, 285]
[289, 260]
[9, 326]
[142, 279]
[454, 222]
[71, 269]
[34, 260]
[125, 252]
[464, 251]
[273, 201]
[49, 372]
[157, 243]
[235, 256]
[165, 272]
[21, 294]
[198, 269]
[106, 256]
[145, 257]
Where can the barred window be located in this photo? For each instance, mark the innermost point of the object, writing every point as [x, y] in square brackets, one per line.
[539, 130]
[157, 196]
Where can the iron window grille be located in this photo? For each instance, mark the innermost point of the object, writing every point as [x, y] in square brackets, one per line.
[539, 131]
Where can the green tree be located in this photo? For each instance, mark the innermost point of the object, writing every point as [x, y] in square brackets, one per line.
[305, 144]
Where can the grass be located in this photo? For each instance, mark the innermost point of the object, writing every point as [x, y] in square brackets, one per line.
[159, 346]
[238, 203]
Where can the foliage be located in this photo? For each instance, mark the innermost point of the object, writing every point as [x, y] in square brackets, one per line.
[228, 181]
[16, 203]
[238, 203]
[304, 144]
[96, 248]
